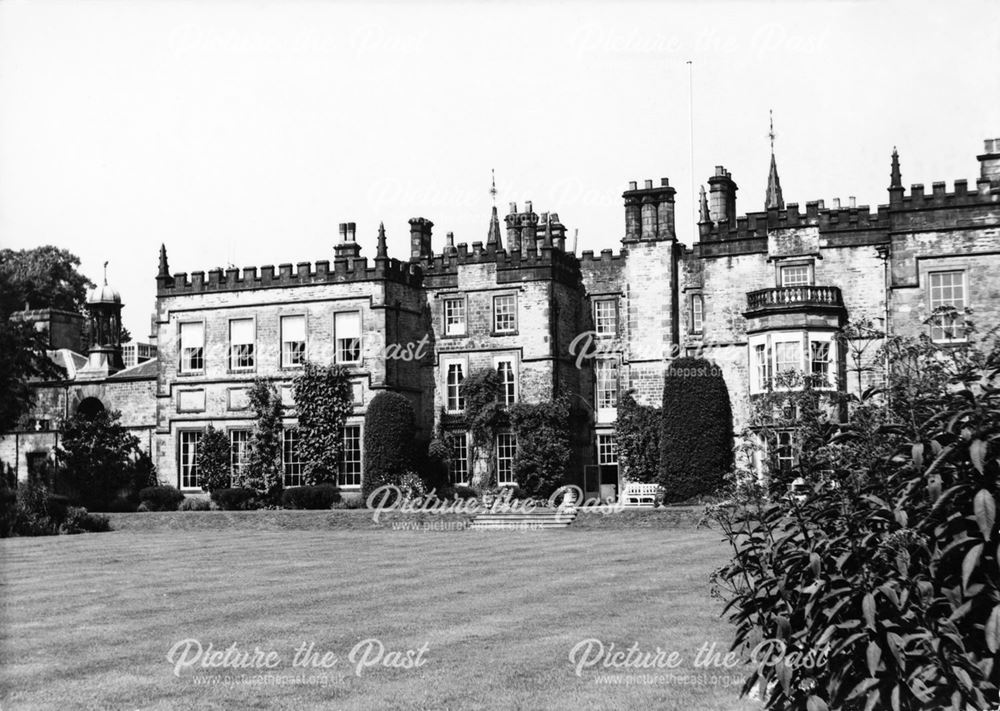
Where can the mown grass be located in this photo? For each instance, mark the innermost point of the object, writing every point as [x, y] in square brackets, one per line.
[87, 621]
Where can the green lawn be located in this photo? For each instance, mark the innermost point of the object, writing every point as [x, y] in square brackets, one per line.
[88, 621]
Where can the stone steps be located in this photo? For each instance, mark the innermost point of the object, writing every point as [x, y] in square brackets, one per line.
[534, 521]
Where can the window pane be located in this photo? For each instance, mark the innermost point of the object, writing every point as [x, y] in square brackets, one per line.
[606, 383]
[605, 318]
[188, 453]
[787, 356]
[241, 331]
[504, 314]
[453, 386]
[293, 340]
[607, 449]
[795, 276]
[347, 327]
[350, 457]
[192, 347]
[458, 458]
[290, 458]
[508, 388]
[454, 316]
[506, 447]
[947, 293]
[238, 442]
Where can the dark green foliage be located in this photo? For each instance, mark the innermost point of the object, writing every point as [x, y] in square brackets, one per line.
[31, 510]
[42, 277]
[194, 503]
[160, 498]
[896, 570]
[389, 431]
[543, 434]
[432, 465]
[320, 496]
[79, 520]
[97, 459]
[485, 416]
[323, 401]
[235, 499]
[263, 470]
[696, 441]
[463, 492]
[637, 434]
[214, 457]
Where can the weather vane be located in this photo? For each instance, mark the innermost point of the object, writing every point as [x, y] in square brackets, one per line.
[493, 186]
[105, 273]
[771, 132]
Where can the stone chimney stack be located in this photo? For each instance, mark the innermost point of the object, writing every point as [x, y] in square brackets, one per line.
[722, 197]
[649, 211]
[420, 239]
[347, 248]
[529, 228]
[989, 161]
[513, 228]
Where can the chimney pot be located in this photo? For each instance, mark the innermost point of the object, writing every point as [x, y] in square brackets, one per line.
[664, 182]
[343, 231]
[853, 202]
[649, 184]
[351, 230]
[513, 208]
[527, 206]
[632, 185]
[836, 203]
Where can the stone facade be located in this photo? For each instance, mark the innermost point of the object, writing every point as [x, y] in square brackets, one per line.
[757, 293]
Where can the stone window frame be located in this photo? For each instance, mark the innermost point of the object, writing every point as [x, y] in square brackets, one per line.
[696, 313]
[352, 424]
[230, 368]
[229, 399]
[781, 264]
[597, 301]
[336, 341]
[292, 463]
[445, 364]
[281, 340]
[181, 370]
[506, 452]
[463, 436]
[513, 331]
[959, 324]
[512, 359]
[805, 338]
[182, 432]
[612, 449]
[234, 464]
[453, 298]
[607, 414]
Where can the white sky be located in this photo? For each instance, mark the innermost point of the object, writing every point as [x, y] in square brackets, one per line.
[246, 131]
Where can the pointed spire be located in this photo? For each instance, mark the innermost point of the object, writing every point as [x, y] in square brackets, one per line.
[493, 238]
[105, 273]
[895, 176]
[703, 215]
[382, 251]
[774, 198]
[164, 269]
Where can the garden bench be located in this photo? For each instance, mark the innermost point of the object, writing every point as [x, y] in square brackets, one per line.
[636, 494]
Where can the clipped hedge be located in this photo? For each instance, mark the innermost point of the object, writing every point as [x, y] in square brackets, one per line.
[160, 498]
[696, 439]
[235, 499]
[320, 496]
[389, 431]
[637, 434]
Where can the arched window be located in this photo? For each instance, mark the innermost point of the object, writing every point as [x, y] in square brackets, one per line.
[90, 408]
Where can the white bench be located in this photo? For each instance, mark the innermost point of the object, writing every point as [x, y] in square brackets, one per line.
[636, 494]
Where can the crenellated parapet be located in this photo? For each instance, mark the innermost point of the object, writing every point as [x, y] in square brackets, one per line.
[288, 275]
[544, 262]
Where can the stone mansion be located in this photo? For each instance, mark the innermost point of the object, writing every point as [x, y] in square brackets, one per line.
[760, 292]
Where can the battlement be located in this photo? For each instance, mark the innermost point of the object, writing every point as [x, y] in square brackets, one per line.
[287, 275]
[545, 260]
[963, 195]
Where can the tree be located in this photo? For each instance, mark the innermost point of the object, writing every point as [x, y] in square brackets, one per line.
[263, 470]
[637, 435]
[323, 401]
[22, 356]
[214, 460]
[389, 431]
[543, 432]
[96, 458]
[485, 415]
[43, 277]
[696, 442]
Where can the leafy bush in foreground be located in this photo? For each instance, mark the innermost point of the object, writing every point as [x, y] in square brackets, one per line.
[160, 498]
[893, 574]
[235, 499]
[320, 496]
